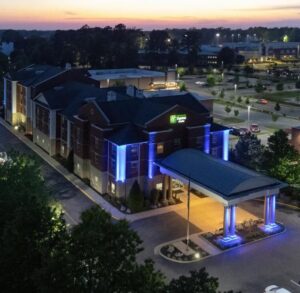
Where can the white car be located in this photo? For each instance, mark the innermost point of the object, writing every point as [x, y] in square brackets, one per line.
[276, 289]
[201, 83]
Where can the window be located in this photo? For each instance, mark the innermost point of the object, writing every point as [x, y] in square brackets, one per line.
[159, 186]
[134, 169]
[113, 188]
[160, 148]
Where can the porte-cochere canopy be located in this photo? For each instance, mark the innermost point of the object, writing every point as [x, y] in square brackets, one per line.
[227, 182]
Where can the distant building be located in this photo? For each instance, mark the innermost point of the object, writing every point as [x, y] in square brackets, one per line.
[281, 50]
[140, 78]
[7, 48]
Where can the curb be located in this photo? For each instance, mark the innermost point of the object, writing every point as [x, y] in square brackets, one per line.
[158, 247]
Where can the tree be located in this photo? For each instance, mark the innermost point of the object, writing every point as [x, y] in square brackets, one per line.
[287, 169]
[277, 107]
[259, 87]
[239, 99]
[236, 113]
[198, 281]
[30, 227]
[278, 147]
[102, 257]
[211, 81]
[279, 86]
[227, 56]
[249, 151]
[227, 109]
[182, 86]
[135, 198]
[247, 101]
[222, 93]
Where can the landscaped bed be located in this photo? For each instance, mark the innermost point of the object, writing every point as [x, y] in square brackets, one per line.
[246, 232]
[179, 251]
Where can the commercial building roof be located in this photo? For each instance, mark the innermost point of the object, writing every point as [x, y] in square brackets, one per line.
[124, 73]
[226, 179]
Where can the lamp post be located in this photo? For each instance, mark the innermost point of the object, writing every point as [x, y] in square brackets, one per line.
[217, 37]
[249, 110]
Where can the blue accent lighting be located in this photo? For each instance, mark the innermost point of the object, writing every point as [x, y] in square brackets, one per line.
[207, 138]
[226, 145]
[121, 163]
[151, 156]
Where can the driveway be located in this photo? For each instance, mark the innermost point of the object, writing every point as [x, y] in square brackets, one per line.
[73, 201]
[250, 268]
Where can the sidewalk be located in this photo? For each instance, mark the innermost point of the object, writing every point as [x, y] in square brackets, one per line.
[84, 188]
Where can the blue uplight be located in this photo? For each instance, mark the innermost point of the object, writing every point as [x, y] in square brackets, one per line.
[207, 138]
[151, 156]
[271, 228]
[230, 241]
[121, 163]
[226, 144]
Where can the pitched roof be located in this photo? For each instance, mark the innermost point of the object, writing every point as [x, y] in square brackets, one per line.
[34, 74]
[127, 135]
[70, 96]
[140, 111]
[225, 178]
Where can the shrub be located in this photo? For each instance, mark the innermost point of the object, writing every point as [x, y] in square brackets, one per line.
[277, 107]
[236, 113]
[154, 196]
[280, 86]
[135, 198]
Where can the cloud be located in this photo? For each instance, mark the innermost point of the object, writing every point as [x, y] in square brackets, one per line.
[70, 13]
[270, 8]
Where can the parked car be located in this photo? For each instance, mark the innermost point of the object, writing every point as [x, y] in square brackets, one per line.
[276, 289]
[239, 131]
[201, 83]
[263, 101]
[254, 128]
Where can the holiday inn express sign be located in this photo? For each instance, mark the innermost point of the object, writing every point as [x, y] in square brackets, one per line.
[178, 118]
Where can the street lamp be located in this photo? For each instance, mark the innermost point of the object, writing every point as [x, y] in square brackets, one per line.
[249, 109]
[232, 38]
[235, 88]
[218, 37]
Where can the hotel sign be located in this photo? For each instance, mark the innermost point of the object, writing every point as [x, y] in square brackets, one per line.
[178, 119]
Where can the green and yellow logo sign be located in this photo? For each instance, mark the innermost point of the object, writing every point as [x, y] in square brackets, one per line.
[177, 119]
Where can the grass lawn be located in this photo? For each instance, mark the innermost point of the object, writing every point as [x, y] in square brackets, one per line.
[232, 120]
[279, 96]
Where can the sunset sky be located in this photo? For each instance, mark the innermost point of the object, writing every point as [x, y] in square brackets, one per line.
[147, 14]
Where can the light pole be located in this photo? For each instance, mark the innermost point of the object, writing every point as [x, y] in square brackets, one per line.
[217, 37]
[235, 88]
[232, 38]
[249, 110]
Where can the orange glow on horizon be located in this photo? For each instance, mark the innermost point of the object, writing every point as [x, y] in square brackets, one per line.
[146, 13]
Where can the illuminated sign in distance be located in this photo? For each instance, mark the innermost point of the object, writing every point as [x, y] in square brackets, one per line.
[178, 119]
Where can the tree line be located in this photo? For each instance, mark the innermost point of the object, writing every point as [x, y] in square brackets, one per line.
[40, 253]
[120, 46]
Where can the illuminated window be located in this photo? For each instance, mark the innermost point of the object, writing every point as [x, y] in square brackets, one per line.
[159, 186]
[113, 188]
[160, 148]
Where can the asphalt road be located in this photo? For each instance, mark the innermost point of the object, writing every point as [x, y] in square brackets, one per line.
[73, 201]
[250, 268]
